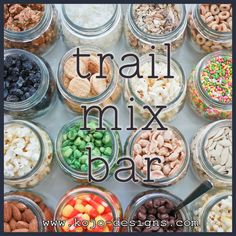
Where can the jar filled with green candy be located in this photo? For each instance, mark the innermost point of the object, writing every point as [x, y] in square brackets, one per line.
[72, 148]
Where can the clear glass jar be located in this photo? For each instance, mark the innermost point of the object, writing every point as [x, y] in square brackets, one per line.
[163, 181]
[174, 106]
[201, 166]
[201, 210]
[109, 200]
[30, 205]
[204, 39]
[108, 97]
[43, 166]
[201, 103]
[143, 197]
[39, 39]
[104, 36]
[141, 41]
[79, 176]
[42, 100]
[39, 199]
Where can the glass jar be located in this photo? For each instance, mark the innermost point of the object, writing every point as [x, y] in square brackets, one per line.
[199, 99]
[39, 200]
[142, 143]
[159, 96]
[203, 210]
[143, 197]
[200, 163]
[31, 206]
[39, 39]
[90, 30]
[108, 97]
[42, 100]
[90, 195]
[79, 175]
[43, 164]
[141, 41]
[203, 38]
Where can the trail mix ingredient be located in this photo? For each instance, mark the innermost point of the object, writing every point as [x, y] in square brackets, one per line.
[22, 77]
[75, 143]
[157, 210]
[87, 208]
[19, 218]
[21, 150]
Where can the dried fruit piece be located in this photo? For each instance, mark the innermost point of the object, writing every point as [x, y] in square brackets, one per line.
[79, 87]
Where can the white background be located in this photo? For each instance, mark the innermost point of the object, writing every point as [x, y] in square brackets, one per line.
[57, 183]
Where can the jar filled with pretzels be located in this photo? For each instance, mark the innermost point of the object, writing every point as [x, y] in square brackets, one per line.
[75, 91]
[210, 27]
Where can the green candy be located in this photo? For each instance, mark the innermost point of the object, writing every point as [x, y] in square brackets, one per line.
[97, 135]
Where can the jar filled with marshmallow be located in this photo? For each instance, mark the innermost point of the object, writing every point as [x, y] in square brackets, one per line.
[168, 146]
[170, 92]
[210, 27]
[28, 154]
[94, 24]
[211, 153]
[75, 91]
[148, 25]
[213, 211]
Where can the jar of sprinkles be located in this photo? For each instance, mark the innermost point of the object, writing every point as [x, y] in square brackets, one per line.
[210, 86]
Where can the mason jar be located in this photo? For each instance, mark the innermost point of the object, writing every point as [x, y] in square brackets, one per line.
[141, 41]
[148, 197]
[205, 163]
[39, 199]
[89, 205]
[200, 100]
[170, 92]
[42, 100]
[213, 211]
[203, 38]
[41, 38]
[80, 29]
[35, 173]
[32, 206]
[76, 173]
[174, 157]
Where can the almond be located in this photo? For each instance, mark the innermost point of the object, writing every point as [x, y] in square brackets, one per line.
[12, 224]
[42, 206]
[16, 213]
[7, 227]
[7, 212]
[22, 224]
[20, 206]
[28, 215]
[21, 230]
[33, 226]
[37, 199]
[48, 214]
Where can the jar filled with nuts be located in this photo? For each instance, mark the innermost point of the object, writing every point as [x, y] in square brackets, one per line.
[76, 91]
[37, 198]
[29, 85]
[150, 25]
[210, 27]
[210, 86]
[150, 211]
[157, 91]
[28, 153]
[32, 27]
[214, 211]
[21, 214]
[169, 146]
[93, 208]
[94, 24]
[72, 153]
[211, 152]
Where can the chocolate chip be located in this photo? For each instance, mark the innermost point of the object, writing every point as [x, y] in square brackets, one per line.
[149, 204]
[142, 209]
[141, 216]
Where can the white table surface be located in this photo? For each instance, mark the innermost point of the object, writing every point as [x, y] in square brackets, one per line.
[57, 183]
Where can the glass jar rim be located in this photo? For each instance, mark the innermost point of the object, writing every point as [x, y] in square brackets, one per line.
[207, 166]
[44, 83]
[95, 99]
[41, 154]
[91, 32]
[170, 36]
[79, 174]
[174, 65]
[201, 64]
[184, 164]
[32, 33]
